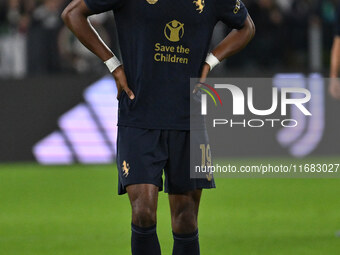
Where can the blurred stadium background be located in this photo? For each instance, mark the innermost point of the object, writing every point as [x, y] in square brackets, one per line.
[58, 178]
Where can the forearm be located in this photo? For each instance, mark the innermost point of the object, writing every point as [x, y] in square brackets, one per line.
[335, 58]
[235, 41]
[75, 16]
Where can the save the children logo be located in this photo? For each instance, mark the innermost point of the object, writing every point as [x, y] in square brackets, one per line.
[174, 31]
[170, 52]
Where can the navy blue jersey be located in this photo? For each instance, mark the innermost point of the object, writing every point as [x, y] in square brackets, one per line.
[163, 44]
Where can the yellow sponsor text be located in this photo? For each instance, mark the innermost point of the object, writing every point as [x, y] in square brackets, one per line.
[171, 54]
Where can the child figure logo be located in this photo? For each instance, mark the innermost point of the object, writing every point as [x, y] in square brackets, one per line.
[174, 31]
[200, 5]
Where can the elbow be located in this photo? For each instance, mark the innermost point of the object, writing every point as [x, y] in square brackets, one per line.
[70, 13]
[252, 32]
[65, 15]
[76, 10]
[251, 28]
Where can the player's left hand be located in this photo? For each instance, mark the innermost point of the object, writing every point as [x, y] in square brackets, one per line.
[334, 88]
[204, 75]
[205, 72]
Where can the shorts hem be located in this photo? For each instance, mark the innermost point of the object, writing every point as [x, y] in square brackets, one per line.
[182, 191]
[122, 188]
[154, 127]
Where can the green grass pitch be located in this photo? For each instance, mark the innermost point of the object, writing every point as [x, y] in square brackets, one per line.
[70, 210]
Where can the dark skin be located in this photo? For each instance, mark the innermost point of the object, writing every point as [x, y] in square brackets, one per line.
[144, 197]
[75, 17]
[184, 207]
[334, 87]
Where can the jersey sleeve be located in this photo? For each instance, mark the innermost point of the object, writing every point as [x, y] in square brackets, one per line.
[99, 6]
[337, 21]
[231, 12]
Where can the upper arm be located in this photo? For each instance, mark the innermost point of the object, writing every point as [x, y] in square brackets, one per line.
[231, 12]
[76, 6]
[336, 42]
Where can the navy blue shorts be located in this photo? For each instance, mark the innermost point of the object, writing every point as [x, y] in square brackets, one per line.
[143, 155]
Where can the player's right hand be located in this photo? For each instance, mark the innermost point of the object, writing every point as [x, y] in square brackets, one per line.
[121, 82]
[334, 88]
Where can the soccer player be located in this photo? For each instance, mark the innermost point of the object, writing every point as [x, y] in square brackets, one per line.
[163, 43]
[334, 87]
